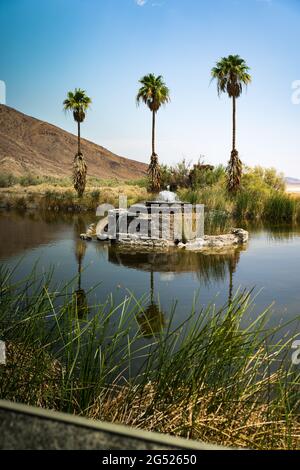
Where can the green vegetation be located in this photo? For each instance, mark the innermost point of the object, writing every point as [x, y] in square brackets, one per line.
[154, 93]
[232, 74]
[209, 378]
[7, 180]
[49, 193]
[184, 175]
[68, 201]
[261, 195]
[78, 102]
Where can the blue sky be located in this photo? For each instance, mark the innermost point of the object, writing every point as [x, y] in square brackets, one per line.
[105, 46]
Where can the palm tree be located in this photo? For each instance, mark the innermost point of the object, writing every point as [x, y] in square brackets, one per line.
[153, 93]
[78, 102]
[232, 75]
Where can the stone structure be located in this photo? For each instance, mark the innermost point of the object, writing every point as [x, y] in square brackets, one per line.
[237, 236]
[161, 224]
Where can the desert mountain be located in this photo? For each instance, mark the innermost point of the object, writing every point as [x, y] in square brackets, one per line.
[290, 180]
[28, 145]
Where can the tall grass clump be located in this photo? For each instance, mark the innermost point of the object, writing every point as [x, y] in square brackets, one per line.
[250, 203]
[280, 208]
[213, 197]
[208, 378]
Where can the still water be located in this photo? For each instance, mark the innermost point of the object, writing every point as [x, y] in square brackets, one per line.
[269, 263]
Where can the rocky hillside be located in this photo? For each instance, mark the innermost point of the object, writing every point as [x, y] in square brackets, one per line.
[28, 145]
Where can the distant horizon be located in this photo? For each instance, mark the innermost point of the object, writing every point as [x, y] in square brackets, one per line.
[45, 57]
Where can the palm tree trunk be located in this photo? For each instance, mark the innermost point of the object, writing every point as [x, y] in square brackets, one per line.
[153, 132]
[233, 122]
[78, 126]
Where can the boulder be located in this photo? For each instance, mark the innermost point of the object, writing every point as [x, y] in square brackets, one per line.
[86, 237]
[242, 234]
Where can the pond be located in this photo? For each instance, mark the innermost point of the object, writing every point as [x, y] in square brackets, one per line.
[269, 264]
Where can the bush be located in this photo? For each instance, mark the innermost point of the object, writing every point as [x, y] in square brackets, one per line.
[176, 176]
[206, 175]
[141, 182]
[184, 175]
[30, 180]
[7, 180]
[95, 195]
[268, 178]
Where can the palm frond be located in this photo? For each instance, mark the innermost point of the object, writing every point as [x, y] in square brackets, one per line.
[153, 93]
[231, 74]
[78, 102]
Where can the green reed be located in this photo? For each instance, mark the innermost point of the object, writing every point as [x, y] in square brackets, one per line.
[218, 376]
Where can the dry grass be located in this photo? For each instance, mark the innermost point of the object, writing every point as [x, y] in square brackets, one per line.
[196, 417]
[49, 196]
[34, 366]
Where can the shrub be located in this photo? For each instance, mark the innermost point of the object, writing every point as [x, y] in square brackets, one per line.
[176, 176]
[95, 194]
[184, 175]
[205, 175]
[141, 182]
[263, 177]
[30, 180]
[7, 180]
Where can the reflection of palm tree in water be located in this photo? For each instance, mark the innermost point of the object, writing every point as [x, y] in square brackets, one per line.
[232, 265]
[231, 321]
[151, 320]
[80, 249]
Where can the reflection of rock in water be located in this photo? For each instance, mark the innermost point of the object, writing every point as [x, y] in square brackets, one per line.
[206, 265]
[152, 319]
